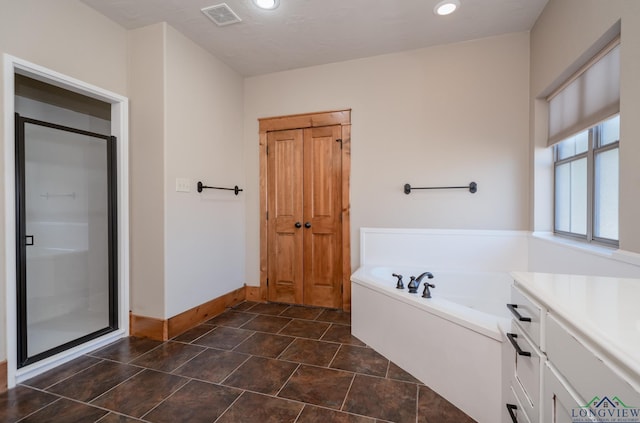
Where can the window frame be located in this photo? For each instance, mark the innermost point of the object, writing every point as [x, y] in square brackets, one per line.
[593, 148]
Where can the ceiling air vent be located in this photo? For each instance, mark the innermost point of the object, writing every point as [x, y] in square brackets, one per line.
[221, 14]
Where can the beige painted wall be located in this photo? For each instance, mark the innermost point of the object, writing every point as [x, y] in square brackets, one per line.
[70, 38]
[146, 67]
[186, 122]
[203, 233]
[446, 115]
[560, 39]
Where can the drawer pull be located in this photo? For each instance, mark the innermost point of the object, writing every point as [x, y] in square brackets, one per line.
[510, 409]
[512, 308]
[512, 338]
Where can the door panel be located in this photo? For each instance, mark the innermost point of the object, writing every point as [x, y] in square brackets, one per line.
[65, 237]
[322, 210]
[285, 240]
[304, 225]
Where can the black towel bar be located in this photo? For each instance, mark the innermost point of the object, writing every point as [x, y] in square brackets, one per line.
[472, 187]
[201, 186]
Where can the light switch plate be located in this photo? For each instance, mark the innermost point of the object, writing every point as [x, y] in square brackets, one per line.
[183, 185]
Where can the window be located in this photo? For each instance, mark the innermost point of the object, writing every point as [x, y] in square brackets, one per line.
[584, 130]
[586, 183]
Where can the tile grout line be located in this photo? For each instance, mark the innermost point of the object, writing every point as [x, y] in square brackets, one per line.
[243, 341]
[300, 413]
[100, 360]
[169, 396]
[146, 352]
[229, 407]
[172, 372]
[249, 356]
[196, 338]
[334, 356]
[87, 403]
[346, 395]
[287, 381]
[202, 347]
[39, 409]
[285, 350]
[142, 369]
[325, 331]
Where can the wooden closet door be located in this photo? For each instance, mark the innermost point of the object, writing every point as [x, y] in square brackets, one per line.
[285, 208]
[322, 217]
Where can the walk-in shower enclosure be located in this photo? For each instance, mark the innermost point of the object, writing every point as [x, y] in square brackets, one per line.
[65, 227]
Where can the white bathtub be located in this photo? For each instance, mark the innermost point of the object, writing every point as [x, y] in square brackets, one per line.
[452, 342]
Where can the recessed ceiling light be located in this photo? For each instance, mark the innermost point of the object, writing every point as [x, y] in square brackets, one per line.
[446, 7]
[267, 4]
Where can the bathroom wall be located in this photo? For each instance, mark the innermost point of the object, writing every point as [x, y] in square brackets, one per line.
[146, 167]
[204, 233]
[445, 115]
[70, 38]
[561, 40]
[186, 122]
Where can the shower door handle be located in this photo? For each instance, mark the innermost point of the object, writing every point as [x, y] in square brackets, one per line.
[28, 239]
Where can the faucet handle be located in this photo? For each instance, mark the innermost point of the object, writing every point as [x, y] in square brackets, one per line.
[399, 285]
[426, 293]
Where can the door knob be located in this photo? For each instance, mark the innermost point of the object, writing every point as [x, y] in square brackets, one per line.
[307, 224]
[298, 225]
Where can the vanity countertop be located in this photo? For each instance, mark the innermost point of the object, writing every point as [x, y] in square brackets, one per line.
[603, 310]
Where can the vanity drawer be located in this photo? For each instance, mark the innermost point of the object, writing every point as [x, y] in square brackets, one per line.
[527, 361]
[514, 410]
[586, 373]
[527, 408]
[527, 314]
[560, 405]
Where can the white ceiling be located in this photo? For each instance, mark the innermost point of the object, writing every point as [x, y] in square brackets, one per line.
[304, 33]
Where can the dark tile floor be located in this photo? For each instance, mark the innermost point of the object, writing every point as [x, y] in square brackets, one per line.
[254, 363]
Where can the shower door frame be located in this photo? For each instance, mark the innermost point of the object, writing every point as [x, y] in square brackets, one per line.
[120, 128]
[21, 246]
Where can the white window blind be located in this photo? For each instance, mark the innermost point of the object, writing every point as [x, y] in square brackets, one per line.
[589, 97]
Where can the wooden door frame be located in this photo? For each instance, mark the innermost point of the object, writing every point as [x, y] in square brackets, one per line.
[301, 121]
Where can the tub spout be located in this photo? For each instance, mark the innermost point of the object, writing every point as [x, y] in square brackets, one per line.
[427, 293]
[427, 274]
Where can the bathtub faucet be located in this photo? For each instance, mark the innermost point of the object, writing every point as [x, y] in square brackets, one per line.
[414, 283]
[427, 274]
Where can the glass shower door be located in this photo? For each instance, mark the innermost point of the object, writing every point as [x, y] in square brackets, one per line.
[65, 185]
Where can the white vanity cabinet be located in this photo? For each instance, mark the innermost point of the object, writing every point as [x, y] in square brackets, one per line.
[588, 375]
[583, 334]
